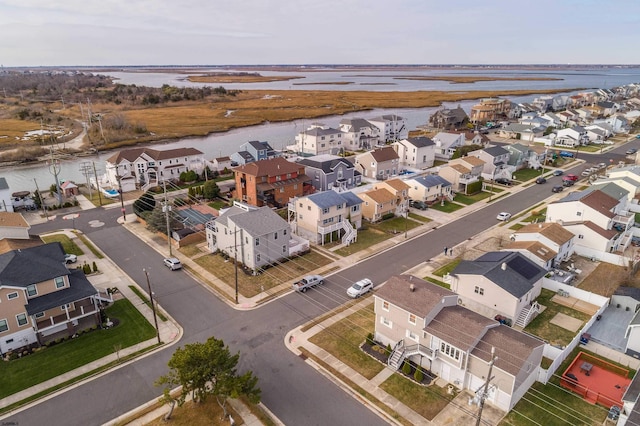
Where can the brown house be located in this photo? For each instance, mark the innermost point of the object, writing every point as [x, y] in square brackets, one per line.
[271, 182]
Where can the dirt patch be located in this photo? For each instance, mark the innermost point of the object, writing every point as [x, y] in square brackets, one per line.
[606, 278]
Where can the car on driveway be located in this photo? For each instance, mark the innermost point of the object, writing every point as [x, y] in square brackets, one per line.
[503, 181]
[567, 154]
[172, 263]
[360, 288]
[70, 258]
[308, 282]
[417, 204]
[557, 188]
[558, 172]
[504, 216]
[571, 177]
[586, 173]
[541, 179]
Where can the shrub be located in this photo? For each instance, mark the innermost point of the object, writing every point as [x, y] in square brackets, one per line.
[418, 375]
[94, 267]
[406, 368]
[389, 348]
[370, 338]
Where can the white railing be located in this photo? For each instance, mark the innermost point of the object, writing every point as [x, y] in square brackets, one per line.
[350, 232]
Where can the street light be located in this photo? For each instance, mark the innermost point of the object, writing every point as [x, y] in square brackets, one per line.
[153, 306]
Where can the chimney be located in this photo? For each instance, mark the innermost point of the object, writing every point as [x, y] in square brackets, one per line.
[504, 266]
[412, 288]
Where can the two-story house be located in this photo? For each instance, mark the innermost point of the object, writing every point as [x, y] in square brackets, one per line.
[496, 162]
[449, 119]
[462, 172]
[271, 182]
[446, 144]
[424, 323]
[146, 167]
[400, 190]
[499, 283]
[430, 188]
[521, 157]
[6, 200]
[490, 109]
[253, 151]
[418, 152]
[40, 299]
[377, 203]
[391, 127]
[331, 172]
[381, 163]
[256, 237]
[572, 136]
[545, 244]
[358, 133]
[326, 216]
[318, 139]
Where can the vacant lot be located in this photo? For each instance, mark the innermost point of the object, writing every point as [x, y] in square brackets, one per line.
[606, 278]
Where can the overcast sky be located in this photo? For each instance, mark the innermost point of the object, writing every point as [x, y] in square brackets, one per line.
[218, 32]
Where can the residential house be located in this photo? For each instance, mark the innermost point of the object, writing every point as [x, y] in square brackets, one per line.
[630, 185]
[221, 163]
[145, 167]
[546, 244]
[630, 413]
[462, 172]
[520, 131]
[601, 223]
[423, 323]
[358, 134]
[391, 127]
[377, 203]
[318, 139]
[446, 144]
[6, 200]
[327, 216]
[271, 182]
[618, 123]
[490, 109]
[429, 188]
[13, 226]
[572, 136]
[331, 172]
[42, 300]
[417, 153]
[475, 138]
[400, 190]
[256, 237]
[253, 151]
[69, 189]
[607, 108]
[496, 162]
[381, 163]
[499, 283]
[519, 156]
[449, 119]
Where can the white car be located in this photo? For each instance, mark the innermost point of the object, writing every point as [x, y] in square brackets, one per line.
[70, 258]
[359, 288]
[504, 216]
[172, 263]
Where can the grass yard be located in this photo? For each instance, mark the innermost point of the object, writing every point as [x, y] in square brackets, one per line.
[516, 226]
[606, 278]
[423, 219]
[204, 413]
[536, 216]
[218, 204]
[427, 401]
[90, 246]
[67, 243]
[524, 175]
[470, 199]
[395, 225]
[444, 270]
[448, 207]
[366, 238]
[542, 327]
[58, 359]
[343, 340]
[249, 285]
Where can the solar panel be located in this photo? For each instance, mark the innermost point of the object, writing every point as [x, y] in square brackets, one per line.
[523, 267]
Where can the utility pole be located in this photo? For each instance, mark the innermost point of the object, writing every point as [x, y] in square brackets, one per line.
[484, 392]
[95, 175]
[166, 209]
[153, 306]
[124, 213]
[44, 209]
[54, 169]
[235, 258]
[85, 169]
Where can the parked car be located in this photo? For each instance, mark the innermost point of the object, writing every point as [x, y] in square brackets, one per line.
[308, 282]
[585, 173]
[631, 151]
[557, 188]
[359, 288]
[571, 177]
[503, 181]
[567, 154]
[420, 205]
[558, 172]
[172, 263]
[602, 165]
[70, 258]
[567, 183]
[504, 216]
[540, 180]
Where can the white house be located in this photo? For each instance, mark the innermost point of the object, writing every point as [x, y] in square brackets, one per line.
[554, 243]
[418, 153]
[358, 133]
[391, 127]
[446, 144]
[496, 162]
[318, 139]
[572, 136]
[6, 200]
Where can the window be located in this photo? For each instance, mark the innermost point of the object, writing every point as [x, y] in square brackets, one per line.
[12, 295]
[580, 237]
[284, 249]
[284, 232]
[479, 290]
[275, 235]
[578, 213]
[385, 305]
[59, 282]
[411, 335]
[281, 189]
[31, 290]
[325, 210]
[278, 178]
[412, 319]
[257, 257]
[339, 206]
[449, 351]
[22, 319]
[295, 186]
[39, 315]
[257, 241]
[300, 205]
[3, 325]
[386, 322]
[66, 307]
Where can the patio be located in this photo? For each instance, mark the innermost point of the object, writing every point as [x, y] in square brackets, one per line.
[611, 329]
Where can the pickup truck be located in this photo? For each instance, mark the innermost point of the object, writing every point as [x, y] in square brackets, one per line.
[307, 282]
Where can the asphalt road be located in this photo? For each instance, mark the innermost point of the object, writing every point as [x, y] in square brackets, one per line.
[296, 393]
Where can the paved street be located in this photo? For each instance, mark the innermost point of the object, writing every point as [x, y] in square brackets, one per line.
[297, 394]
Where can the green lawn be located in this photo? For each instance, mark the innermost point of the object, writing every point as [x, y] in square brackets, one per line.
[395, 225]
[444, 270]
[58, 359]
[427, 401]
[448, 207]
[366, 238]
[524, 175]
[516, 226]
[375, 233]
[470, 199]
[423, 219]
[536, 216]
[67, 244]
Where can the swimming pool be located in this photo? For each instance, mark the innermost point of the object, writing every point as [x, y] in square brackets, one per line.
[111, 193]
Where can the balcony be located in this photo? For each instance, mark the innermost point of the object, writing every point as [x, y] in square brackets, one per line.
[82, 308]
[467, 179]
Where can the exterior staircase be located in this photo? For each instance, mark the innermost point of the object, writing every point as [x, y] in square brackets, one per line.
[350, 233]
[397, 356]
[527, 315]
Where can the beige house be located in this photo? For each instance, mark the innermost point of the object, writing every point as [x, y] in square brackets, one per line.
[400, 189]
[416, 152]
[461, 172]
[381, 163]
[424, 323]
[377, 203]
[13, 225]
[546, 244]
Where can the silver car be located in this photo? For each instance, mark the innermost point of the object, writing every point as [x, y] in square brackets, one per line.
[359, 288]
[172, 263]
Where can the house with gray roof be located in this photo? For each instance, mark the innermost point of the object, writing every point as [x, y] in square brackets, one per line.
[449, 119]
[381, 163]
[6, 200]
[253, 151]
[255, 236]
[520, 131]
[327, 216]
[499, 283]
[358, 134]
[331, 172]
[429, 188]
[318, 139]
[42, 300]
[496, 162]
[446, 144]
[417, 153]
[427, 324]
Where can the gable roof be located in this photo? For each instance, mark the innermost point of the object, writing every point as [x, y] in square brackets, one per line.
[397, 184]
[424, 297]
[611, 189]
[429, 181]
[259, 221]
[13, 220]
[381, 195]
[495, 151]
[420, 141]
[258, 146]
[459, 168]
[512, 348]
[132, 154]
[23, 267]
[600, 202]
[536, 248]
[79, 288]
[386, 153]
[269, 167]
[459, 326]
[553, 231]
[327, 199]
[356, 124]
[473, 161]
[511, 271]
[325, 162]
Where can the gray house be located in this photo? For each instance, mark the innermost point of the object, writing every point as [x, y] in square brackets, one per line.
[331, 172]
[253, 151]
